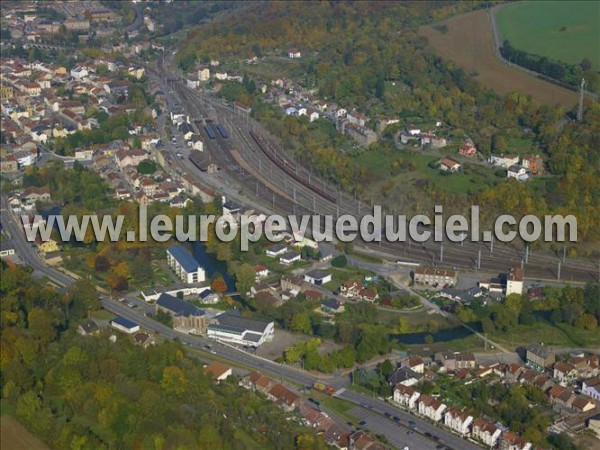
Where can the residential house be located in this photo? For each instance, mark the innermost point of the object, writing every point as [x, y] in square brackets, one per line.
[368, 295]
[458, 421]
[218, 371]
[404, 376]
[561, 395]
[512, 441]
[405, 396]
[564, 372]
[591, 387]
[332, 306]
[467, 149]
[517, 172]
[514, 281]
[503, 160]
[294, 53]
[87, 328]
[203, 73]
[434, 277]
[583, 404]
[414, 363]
[318, 277]
[34, 194]
[486, 432]
[455, 361]
[144, 340]
[261, 272]
[449, 165]
[539, 356]
[351, 288]
[283, 397]
[289, 258]
[533, 164]
[276, 250]
[431, 407]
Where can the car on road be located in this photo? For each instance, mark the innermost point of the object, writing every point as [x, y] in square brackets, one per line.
[397, 419]
[213, 352]
[387, 414]
[130, 304]
[362, 423]
[121, 300]
[410, 431]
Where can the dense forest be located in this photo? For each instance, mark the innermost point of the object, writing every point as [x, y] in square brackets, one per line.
[352, 54]
[88, 392]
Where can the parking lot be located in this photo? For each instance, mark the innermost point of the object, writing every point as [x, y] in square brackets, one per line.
[388, 427]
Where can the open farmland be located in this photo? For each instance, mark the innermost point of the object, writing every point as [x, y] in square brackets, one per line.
[565, 31]
[16, 437]
[468, 42]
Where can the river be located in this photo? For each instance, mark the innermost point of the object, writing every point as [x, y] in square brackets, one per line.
[210, 263]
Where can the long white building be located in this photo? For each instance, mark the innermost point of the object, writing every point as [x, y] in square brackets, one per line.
[232, 327]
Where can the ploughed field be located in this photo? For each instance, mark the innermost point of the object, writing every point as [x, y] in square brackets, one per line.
[468, 42]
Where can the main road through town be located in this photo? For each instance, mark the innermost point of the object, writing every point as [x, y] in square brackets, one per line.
[396, 431]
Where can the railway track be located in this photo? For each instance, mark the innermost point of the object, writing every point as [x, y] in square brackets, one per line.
[292, 189]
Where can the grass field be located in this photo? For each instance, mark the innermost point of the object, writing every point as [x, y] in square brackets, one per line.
[469, 44]
[16, 437]
[567, 31]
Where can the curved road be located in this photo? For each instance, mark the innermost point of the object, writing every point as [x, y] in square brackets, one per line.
[376, 408]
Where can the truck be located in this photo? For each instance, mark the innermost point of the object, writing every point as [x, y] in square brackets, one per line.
[320, 386]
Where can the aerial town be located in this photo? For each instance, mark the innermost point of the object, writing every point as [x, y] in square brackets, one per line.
[133, 111]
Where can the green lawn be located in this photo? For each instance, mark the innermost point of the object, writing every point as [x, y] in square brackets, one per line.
[564, 30]
[542, 331]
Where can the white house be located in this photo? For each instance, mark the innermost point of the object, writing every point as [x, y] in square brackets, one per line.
[591, 388]
[405, 396]
[518, 172]
[294, 53]
[512, 441]
[486, 432]
[261, 272]
[276, 250]
[184, 265]
[458, 421]
[218, 371]
[79, 72]
[514, 281]
[317, 277]
[415, 363]
[203, 74]
[505, 161]
[124, 325]
[449, 165]
[289, 258]
[431, 407]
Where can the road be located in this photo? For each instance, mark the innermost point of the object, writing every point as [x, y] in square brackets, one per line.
[393, 431]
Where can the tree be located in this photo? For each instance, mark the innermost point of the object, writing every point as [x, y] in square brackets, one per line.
[245, 277]
[146, 167]
[40, 325]
[386, 368]
[586, 321]
[339, 261]
[174, 382]
[301, 322]
[217, 284]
